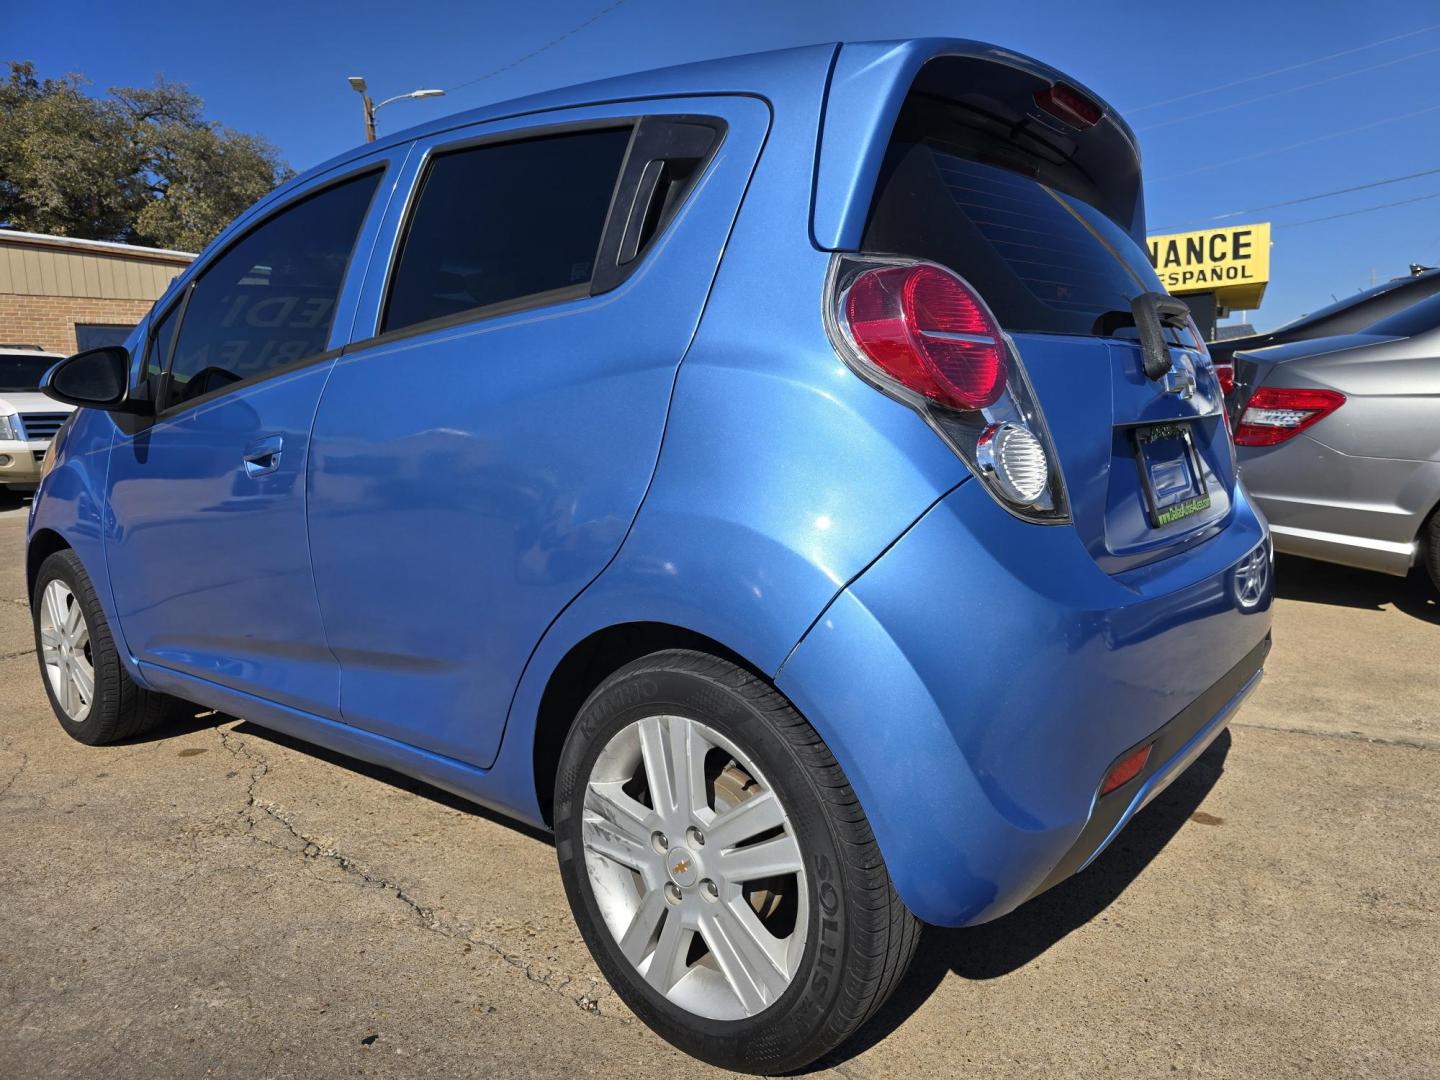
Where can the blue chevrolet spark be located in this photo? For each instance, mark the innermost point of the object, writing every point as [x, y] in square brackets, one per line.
[783, 477]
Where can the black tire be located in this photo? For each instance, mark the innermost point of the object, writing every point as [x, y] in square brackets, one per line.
[120, 709]
[862, 936]
[1430, 542]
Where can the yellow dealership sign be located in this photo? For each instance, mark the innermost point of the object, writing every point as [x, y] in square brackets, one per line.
[1233, 263]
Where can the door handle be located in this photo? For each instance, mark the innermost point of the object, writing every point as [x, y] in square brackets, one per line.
[263, 455]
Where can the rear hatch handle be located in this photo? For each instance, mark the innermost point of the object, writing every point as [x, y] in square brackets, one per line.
[1154, 313]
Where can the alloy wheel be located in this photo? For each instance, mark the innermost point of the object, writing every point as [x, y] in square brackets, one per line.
[695, 867]
[65, 650]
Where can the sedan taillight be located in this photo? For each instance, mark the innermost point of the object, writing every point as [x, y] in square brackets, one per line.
[1274, 414]
[1225, 373]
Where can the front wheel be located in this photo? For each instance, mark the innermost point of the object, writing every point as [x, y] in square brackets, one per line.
[94, 698]
[720, 867]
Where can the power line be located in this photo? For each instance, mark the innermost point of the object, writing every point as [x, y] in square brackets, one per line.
[1302, 199]
[1281, 70]
[1362, 210]
[536, 52]
[1212, 166]
[1288, 90]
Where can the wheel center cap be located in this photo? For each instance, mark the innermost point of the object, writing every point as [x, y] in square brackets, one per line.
[680, 865]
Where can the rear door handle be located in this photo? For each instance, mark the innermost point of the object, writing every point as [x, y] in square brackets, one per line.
[263, 455]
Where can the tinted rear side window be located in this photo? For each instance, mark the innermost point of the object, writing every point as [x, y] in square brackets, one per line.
[1045, 261]
[498, 223]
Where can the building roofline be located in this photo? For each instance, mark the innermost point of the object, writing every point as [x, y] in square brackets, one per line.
[102, 247]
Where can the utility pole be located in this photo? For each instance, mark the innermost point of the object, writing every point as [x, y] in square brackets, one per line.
[358, 85]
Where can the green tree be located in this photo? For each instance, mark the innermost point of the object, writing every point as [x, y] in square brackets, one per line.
[142, 165]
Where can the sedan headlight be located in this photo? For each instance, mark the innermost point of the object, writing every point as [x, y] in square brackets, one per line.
[9, 426]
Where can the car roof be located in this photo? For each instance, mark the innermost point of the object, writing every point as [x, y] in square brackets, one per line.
[742, 73]
[799, 76]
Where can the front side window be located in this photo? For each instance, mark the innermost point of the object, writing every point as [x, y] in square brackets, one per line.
[269, 300]
[501, 222]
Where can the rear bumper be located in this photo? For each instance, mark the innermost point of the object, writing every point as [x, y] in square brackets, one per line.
[980, 679]
[1173, 749]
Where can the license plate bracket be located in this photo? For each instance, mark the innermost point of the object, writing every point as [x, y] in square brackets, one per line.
[1172, 477]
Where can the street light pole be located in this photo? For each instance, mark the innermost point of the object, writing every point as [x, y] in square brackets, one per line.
[358, 85]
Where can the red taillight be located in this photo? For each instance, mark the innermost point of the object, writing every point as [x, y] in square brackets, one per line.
[928, 330]
[1225, 372]
[1274, 414]
[1065, 102]
[1126, 769]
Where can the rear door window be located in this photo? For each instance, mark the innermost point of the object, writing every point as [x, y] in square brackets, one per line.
[505, 224]
[1045, 261]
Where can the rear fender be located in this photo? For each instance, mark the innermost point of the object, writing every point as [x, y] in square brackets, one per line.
[976, 682]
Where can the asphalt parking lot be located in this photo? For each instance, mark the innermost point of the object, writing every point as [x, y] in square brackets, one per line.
[221, 901]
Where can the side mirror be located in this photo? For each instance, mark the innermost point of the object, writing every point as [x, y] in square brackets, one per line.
[93, 379]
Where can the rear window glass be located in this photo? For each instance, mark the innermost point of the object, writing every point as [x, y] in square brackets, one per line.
[1046, 262]
[1416, 319]
[501, 222]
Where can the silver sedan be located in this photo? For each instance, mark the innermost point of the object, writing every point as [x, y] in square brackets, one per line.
[1339, 443]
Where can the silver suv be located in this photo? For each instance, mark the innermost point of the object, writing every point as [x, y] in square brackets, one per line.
[28, 419]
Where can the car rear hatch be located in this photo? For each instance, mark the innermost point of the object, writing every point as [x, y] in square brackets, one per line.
[1029, 188]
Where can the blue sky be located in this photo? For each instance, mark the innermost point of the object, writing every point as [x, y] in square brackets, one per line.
[279, 69]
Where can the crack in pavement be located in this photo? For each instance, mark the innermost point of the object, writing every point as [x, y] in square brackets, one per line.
[24, 764]
[1419, 743]
[12, 655]
[431, 918]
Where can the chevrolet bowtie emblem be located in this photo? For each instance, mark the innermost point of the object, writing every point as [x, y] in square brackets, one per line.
[682, 866]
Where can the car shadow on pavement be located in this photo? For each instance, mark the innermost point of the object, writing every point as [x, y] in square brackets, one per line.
[187, 721]
[388, 776]
[1315, 582]
[999, 948]
[990, 951]
[14, 500]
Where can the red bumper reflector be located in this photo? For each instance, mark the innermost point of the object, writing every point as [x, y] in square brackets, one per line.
[1126, 769]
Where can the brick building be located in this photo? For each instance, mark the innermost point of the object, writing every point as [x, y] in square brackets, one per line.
[64, 294]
